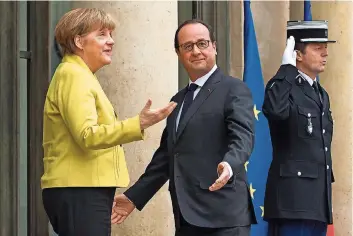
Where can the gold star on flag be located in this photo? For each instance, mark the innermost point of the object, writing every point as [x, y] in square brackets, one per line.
[262, 211]
[256, 112]
[246, 166]
[252, 191]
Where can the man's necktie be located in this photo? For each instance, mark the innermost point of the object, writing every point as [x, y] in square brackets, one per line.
[189, 97]
[317, 91]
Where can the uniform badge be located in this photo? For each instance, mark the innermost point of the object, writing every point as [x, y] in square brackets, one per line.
[272, 84]
[309, 128]
[299, 79]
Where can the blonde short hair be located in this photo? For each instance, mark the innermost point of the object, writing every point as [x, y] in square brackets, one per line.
[80, 21]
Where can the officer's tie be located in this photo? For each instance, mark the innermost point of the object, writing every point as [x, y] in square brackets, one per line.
[189, 97]
[317, 91]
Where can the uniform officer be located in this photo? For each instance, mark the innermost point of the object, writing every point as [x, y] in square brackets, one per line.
[298, 194]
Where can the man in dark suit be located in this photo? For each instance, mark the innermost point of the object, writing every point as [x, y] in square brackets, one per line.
[298, 198]
[203, 149]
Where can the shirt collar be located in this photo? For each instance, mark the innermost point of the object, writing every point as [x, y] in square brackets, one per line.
[307, 78]
[202, 80]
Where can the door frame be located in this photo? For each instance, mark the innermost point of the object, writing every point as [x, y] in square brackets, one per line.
[9, 122]
[38, 82]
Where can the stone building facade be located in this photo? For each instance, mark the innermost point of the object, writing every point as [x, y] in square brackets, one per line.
[146, 66]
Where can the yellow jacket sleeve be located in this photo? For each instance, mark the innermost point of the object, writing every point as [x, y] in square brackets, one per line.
[76, 97]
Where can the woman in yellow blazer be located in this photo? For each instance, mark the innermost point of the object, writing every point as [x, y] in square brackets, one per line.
[82, 135]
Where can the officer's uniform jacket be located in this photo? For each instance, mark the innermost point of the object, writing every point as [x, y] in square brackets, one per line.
[301, 126]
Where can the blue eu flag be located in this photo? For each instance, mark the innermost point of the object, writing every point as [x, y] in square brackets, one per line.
[307, 10]
[260, 160]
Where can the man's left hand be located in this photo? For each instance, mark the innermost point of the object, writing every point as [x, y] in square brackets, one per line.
[122, 207]
[224, 176]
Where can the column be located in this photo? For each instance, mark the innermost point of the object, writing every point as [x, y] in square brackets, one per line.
[270, 19]
[144, 66]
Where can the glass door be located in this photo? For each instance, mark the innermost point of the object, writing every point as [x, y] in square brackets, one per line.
[214, 13]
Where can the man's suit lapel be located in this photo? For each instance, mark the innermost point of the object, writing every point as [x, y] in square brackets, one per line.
[203, 94]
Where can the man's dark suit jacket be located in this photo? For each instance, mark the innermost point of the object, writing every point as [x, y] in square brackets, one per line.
[300, 176]
[218, 126]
